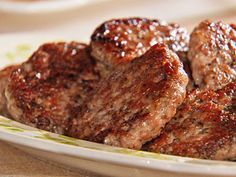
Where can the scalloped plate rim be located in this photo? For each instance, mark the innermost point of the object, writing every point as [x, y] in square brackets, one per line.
[176, 163]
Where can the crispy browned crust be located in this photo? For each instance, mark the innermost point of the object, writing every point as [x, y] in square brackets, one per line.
[131, 106]
[45, 90]
[204, 126]
[212, 54]
[121, 40]
[4, 78]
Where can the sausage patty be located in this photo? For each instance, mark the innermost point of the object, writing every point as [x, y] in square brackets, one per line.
[212, 53]
[45, 90]
[4, 79]
[204, 126]
[131, 106]
[120, 40]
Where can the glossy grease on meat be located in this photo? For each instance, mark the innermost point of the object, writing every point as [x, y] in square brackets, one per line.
[204, 126]
[212, 53]
[121, 40]
[45, 90]
[131, 106]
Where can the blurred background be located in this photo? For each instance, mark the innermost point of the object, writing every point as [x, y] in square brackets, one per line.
[77, 19]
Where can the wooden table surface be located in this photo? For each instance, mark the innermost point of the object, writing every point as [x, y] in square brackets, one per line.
[16, 163]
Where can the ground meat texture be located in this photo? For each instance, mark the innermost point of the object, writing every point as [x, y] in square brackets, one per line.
[119, 41]
[131, 106]
[45, 90]
[204, 126]
[212, 53]
[4, 78]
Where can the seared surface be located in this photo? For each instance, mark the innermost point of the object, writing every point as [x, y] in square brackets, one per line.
[121, 40]
[45, 90]
[4, 78]
[131, 106]
[212, 53]
[204, 126]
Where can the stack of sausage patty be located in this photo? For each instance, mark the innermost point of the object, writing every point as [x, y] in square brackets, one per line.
[140, 84]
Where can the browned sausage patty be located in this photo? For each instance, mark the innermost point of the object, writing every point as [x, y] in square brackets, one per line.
[204, 126]
[121, 40]
[4, 78]
[212, 53]
[131, 106]
[45, 90]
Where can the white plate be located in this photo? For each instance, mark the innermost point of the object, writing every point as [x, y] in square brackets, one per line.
[94, 157]
[42, 6]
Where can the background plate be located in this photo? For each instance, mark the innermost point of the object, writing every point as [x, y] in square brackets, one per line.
[42, 6]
